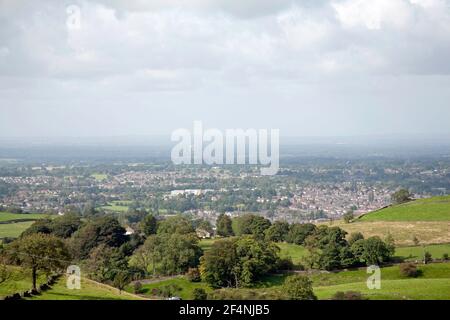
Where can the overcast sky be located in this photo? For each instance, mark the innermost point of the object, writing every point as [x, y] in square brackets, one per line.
[309, 68]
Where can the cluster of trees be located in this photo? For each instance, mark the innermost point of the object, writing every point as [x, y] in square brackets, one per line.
[238, 262]
[328, 247]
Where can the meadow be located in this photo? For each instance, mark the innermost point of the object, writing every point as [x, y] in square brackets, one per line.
[90, 290]
[9, 217]
[430, 209]
[14, 230]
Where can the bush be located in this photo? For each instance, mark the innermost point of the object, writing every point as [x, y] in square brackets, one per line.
[284, 264]
[298, 287]
[137, 287]
[427, 257]
[409, 270]
[445, 256]
[193, 275]
[348, 295]
[199, 294]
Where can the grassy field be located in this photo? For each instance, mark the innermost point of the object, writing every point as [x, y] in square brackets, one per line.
[430, 209]
[19, 281]
[90, 290]
[13, 230]
[428, 232]
[6, 216]
[416, 252]
[187, 287]
[294, 251]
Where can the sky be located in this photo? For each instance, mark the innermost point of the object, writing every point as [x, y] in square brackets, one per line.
[309, 68]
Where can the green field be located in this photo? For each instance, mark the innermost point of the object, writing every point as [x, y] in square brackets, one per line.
[430, 209]
[294, 251]
[19, 281]
[416, 252]
[90, 290]
[185, 285]
[6, 216]
[14, 230]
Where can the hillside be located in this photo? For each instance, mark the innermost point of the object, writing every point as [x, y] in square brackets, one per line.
[430, 209]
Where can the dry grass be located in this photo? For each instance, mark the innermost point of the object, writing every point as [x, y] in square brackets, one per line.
[428, 232]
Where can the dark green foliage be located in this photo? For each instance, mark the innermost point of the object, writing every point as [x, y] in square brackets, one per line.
[372, 251]
[401, 196]
[298, 287]
[149, 225]
[355, 237]
[250, 224]
[105, 230]
[199, 294]
[62, 227]
[427, 257]
[238, 262]
[224, 226]
[299, 232]
[278, 231]
[177, 224]
[193, 275]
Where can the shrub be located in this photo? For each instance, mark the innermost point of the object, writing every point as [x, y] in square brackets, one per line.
[427, 257]
[298, 287]
[348, 295]
[193, 275]
[137, 287]
[445, 256]
[409, 270]
[285, 264]
[199, 294]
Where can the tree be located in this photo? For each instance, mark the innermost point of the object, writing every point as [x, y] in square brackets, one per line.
[199, 294]
[415, 240]
[121, 279]
[149, 225]
[41, 253]
[193, 275]
[299, 232]
[224, 226]
[426, 257]
[349, 216]
[147, 256]
[278, 231]
[355, 237]
[372, 251]
[104, 230]
[177, 224]
[238, 262]
[390, 244]
[105, 263]
[5, 273]
[401, 196]
[251, 224]
[298, 287]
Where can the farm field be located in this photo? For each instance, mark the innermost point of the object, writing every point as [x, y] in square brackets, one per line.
[186, 287]
[416, 252]
[428, 232]
[434, 283]
[430, 209]
[90, 290]
[7, 216]
[294, 251]
[14, 230]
